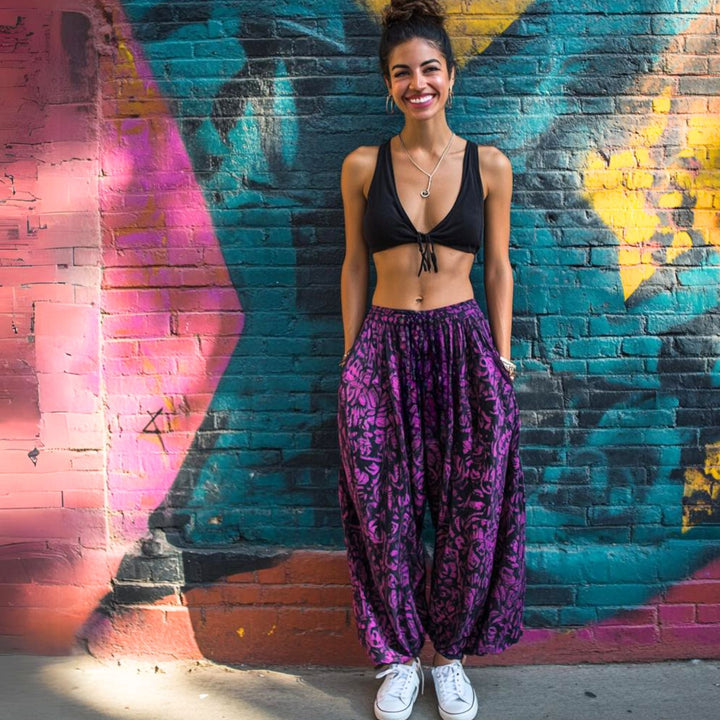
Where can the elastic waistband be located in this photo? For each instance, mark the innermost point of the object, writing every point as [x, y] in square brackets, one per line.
[456, 311]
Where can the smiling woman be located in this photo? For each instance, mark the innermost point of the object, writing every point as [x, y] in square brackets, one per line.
[426, 406]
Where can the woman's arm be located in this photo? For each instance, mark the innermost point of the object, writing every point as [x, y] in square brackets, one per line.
[497, 172]
[355, 268]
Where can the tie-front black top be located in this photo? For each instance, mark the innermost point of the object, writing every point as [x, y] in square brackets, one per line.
[386, 224]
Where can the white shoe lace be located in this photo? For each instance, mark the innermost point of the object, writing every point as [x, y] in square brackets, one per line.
[401, 680]
[450, 685]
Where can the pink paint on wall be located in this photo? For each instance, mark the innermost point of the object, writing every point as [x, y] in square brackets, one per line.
[167, 339]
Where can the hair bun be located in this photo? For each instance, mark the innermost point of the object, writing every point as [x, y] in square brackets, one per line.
[405, 10]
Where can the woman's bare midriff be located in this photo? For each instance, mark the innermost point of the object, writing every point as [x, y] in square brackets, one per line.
[399, 286]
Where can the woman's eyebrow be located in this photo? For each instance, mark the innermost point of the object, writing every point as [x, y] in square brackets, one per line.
[424, 62]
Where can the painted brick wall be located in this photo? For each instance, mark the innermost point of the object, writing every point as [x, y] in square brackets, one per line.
[171, 237]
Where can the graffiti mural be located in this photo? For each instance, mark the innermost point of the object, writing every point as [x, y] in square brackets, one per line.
[605, 284]
[224, 128]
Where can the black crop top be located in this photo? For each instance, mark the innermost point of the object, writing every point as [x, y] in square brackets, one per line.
[386, 224]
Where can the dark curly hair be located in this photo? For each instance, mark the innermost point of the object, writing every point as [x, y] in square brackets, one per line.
[404, 20]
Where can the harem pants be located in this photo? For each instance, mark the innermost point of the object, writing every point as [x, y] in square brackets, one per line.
[427, 413]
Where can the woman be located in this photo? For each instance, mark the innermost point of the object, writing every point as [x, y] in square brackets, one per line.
[427, 411]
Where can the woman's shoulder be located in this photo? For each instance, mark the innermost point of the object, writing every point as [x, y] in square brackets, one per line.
[496, 171]
[493, 160]
[362, 157]
[359, 166]
[493, 165]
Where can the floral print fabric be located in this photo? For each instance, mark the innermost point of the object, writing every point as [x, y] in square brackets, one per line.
[427, 414]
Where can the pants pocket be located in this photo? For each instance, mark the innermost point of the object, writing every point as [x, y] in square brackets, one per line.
[356, 348]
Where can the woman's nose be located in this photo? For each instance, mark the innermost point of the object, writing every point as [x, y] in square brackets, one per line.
[417, 81]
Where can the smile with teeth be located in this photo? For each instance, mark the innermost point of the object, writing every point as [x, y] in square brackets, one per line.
[420, 100]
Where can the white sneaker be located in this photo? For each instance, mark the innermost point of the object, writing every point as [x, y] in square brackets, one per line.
[455, 694]
[397, 695]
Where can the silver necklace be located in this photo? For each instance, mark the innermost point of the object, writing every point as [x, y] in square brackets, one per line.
[426, 192]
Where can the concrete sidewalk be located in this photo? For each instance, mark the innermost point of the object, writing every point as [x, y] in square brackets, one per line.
[82, 688]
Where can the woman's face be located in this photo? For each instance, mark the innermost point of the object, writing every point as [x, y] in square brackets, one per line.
[419, 81]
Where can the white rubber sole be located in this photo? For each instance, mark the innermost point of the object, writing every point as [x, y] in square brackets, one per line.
[468, 714]
[398, 715]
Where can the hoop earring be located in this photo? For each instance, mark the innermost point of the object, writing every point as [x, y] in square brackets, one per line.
[389, 104]
[450, 98]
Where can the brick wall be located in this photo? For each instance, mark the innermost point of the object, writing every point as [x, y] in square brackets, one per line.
[170, 252]
[53, 535]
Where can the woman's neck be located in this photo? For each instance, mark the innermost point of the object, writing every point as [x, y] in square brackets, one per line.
[431, 135]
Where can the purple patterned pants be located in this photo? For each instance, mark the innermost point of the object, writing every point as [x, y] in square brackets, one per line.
[427, 412]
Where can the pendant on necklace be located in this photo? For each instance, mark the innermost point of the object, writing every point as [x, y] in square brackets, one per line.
[426, 192]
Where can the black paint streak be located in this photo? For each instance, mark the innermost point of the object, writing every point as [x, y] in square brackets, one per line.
[164, 19]
[74, 34]
[155, 429]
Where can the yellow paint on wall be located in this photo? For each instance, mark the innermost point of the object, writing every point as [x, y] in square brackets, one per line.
[642, 155]
[661, 104]
[651, 133]
[638, 179]
[680, 243]
[637, 189]
[134, 92]
[712, 460]
[472, 26]
[610, 180]
[707, 199]
[622, 160]
[125, 55]
[670, 200]
[702, 487]
[240, 632]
